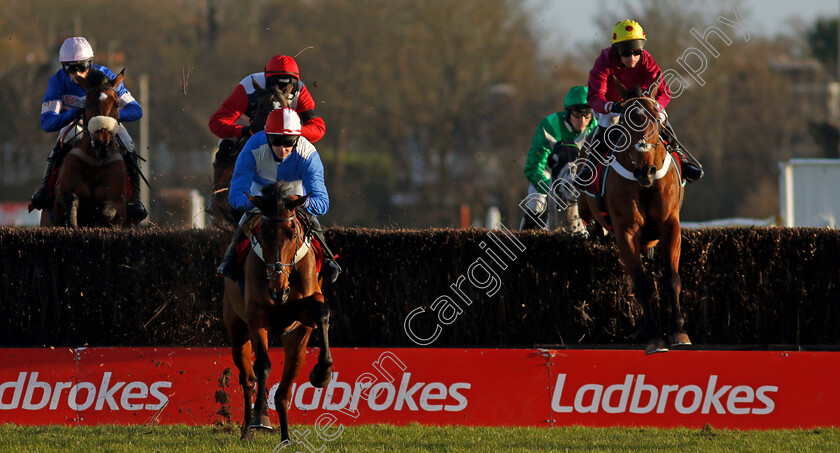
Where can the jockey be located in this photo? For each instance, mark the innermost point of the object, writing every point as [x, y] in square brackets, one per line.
[282, 71]
[64, 102]
[280, 153]
[571, 125]
[630, 64]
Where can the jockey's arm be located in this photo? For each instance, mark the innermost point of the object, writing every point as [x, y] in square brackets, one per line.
[244, 174]
[597, 94]
[313, 184]
[130, 112]
[312, 126]
[52, 117]
[223, 122]
[537, 157]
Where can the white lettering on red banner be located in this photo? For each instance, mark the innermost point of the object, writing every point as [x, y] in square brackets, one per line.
[487, 387]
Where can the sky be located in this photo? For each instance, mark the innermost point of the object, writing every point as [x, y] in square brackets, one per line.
[567, 23]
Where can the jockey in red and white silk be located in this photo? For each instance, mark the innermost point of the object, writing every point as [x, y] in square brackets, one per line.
[226, 123]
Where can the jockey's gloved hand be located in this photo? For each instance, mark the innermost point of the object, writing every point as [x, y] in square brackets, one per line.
[616, 107]
[79, 113]
[246, 131]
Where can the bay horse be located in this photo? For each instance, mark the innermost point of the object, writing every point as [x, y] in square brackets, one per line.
[91, 188]
[643, 195]
[282, 295]
[267, 99]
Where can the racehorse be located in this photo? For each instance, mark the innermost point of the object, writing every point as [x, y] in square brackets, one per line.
[642, 196]
[561, 204]
[267, 99]
[91, 188]
[282, 294]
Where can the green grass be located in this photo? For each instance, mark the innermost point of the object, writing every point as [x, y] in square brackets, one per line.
[412, 438]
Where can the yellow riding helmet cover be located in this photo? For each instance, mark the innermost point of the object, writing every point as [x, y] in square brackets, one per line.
[628, 30]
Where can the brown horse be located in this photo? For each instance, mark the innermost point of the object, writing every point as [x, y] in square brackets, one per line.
[643, 196]
[268, 99]
[282, 294]
[91, 188]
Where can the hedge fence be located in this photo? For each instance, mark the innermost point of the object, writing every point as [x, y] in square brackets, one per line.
[474, 288]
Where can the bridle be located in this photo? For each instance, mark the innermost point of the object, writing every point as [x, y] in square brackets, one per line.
[642, 146]
[271, 269]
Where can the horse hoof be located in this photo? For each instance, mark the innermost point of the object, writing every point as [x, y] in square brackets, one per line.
[320, 376]
[260, 422]
[654, 346]
[679, 339]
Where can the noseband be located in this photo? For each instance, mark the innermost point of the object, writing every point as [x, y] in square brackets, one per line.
[271, 269]
[101, 122]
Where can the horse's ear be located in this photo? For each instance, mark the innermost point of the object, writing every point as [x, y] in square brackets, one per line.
[118, 80]
[551, 140]
[655, 86]
[622, 90]
[291, 205]
[256, 84]
[257, 201]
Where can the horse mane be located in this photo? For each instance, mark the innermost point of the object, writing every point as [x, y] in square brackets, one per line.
[97, 78]
[275, 194]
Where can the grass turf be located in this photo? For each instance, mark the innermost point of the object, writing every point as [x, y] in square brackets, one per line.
[412, 438]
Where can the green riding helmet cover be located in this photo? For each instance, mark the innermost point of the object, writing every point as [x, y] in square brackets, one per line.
[576, 98]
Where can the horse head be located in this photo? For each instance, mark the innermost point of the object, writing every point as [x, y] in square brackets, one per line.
[101, 111]
[269, 98]
[280, 235]
[640, 122]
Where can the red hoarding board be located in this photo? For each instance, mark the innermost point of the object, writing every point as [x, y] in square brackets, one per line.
[727, 389]
[493, 387]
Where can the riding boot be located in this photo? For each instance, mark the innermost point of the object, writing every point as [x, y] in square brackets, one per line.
[135, 210]
[691, 169]
[226, 268]
[691, 172]
[584, 178]
[330, 270]
[43, 198]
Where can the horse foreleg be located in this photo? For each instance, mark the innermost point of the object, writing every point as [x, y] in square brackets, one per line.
[262, 368]
[321, 373]
[70, 207]
[241, 352]
[670, 244]
[294, 345]
[629, 249]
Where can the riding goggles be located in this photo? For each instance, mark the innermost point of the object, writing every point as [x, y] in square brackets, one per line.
[282, 81]
[286, 141]
[628, 53]
[76, 67]
[581, 115]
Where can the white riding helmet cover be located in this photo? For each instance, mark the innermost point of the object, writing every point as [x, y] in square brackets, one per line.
[75, 49]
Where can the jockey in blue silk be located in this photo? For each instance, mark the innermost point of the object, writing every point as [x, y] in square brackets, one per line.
[280, 153]
[64, 102]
